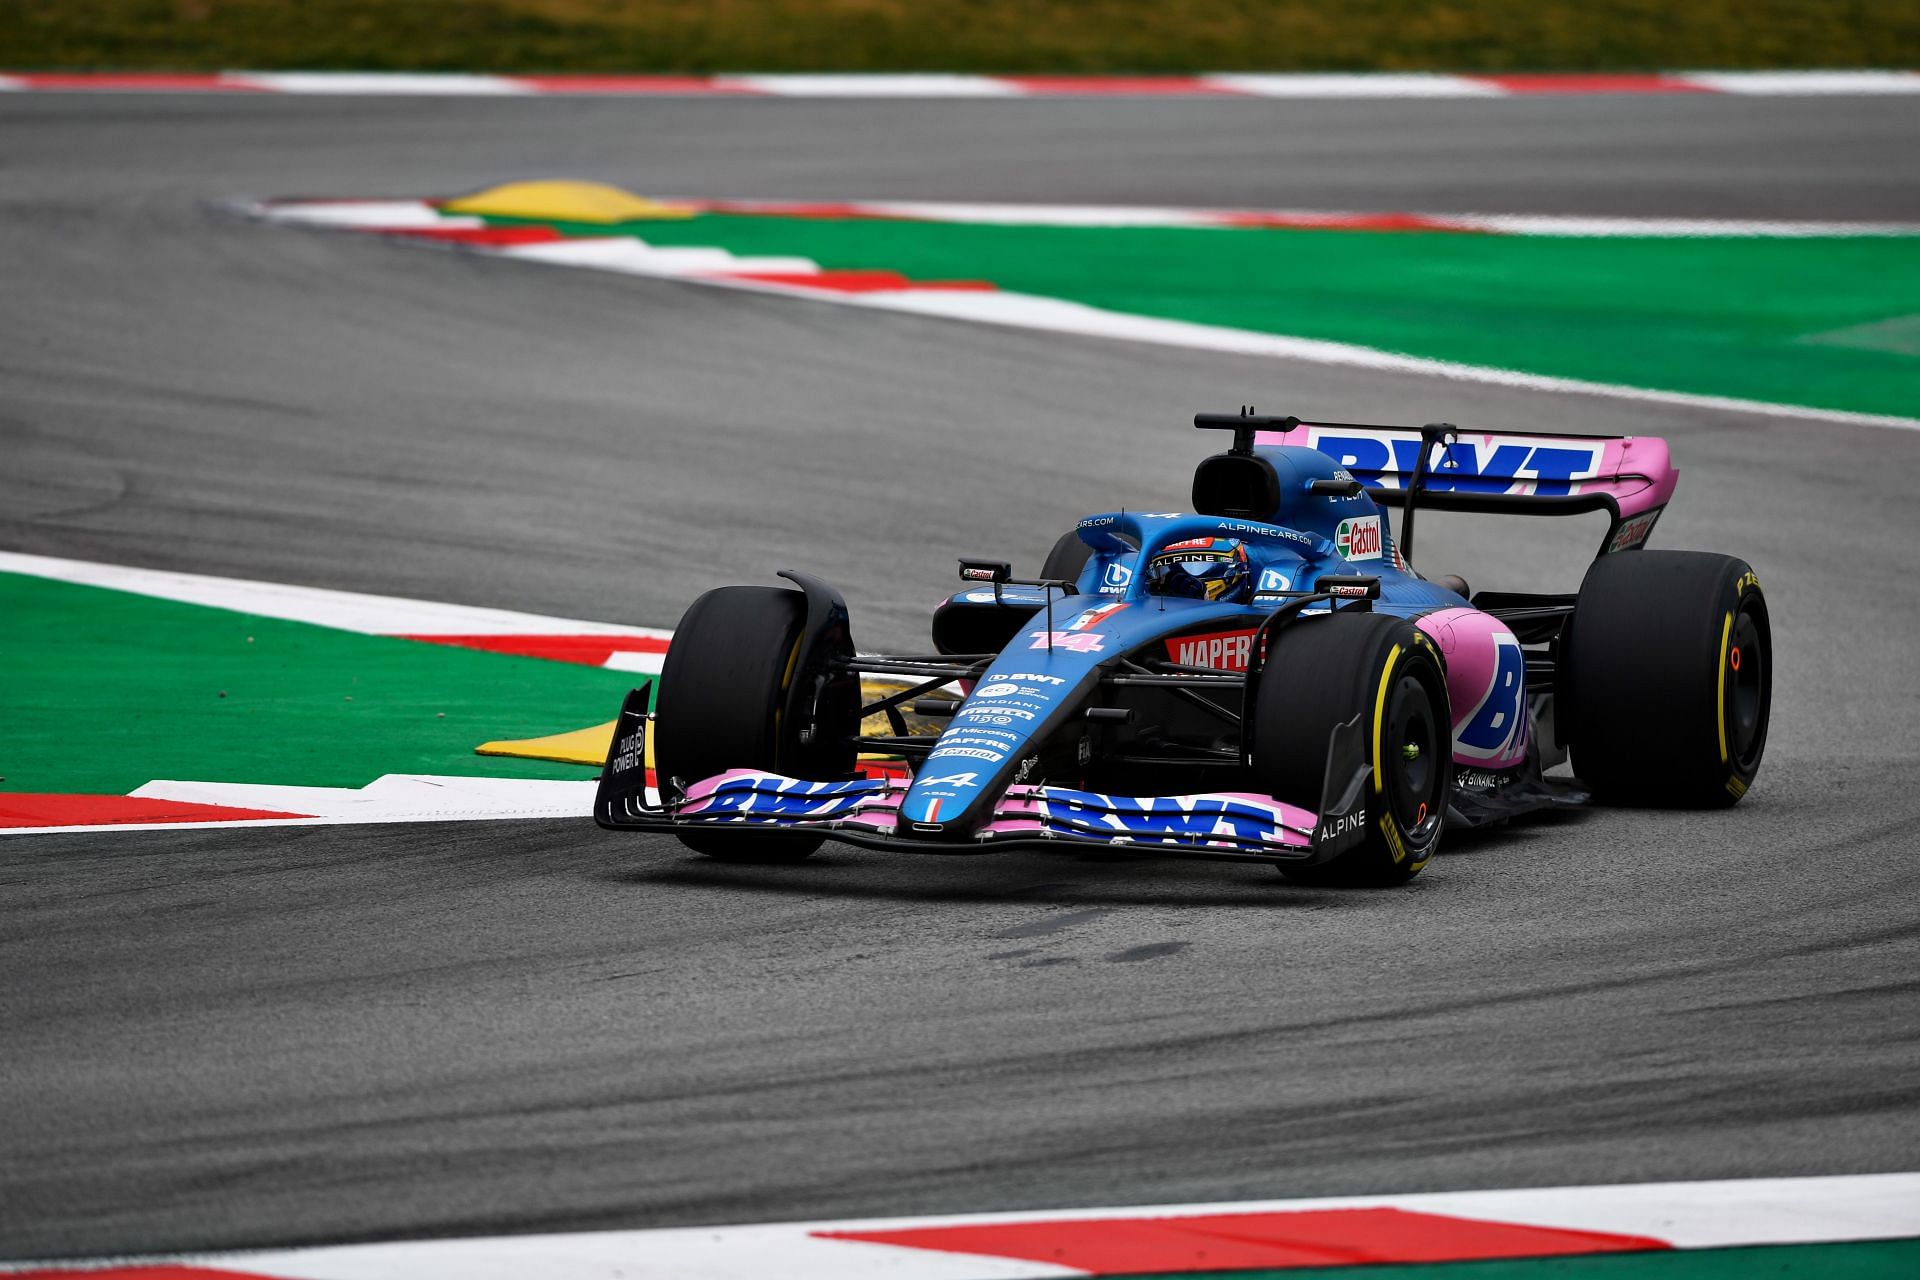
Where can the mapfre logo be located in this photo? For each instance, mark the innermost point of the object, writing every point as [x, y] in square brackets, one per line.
[1222, 650]
[1358, 538]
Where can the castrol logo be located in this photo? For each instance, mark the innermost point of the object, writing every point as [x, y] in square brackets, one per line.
[1358, 538]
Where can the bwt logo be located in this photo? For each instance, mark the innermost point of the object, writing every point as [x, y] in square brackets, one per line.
[760, 803]
[1177, 816]
[1507, 466]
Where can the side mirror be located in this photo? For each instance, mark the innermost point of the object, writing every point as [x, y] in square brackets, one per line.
[1348, 586]
[994, 571]
[1338, 488]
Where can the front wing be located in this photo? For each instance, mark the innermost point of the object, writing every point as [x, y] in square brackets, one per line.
[1220, 826]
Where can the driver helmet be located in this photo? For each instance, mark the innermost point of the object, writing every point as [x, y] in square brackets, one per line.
[1202, 569]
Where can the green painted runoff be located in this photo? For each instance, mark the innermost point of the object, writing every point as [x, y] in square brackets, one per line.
[1803, 321]
[104, 691]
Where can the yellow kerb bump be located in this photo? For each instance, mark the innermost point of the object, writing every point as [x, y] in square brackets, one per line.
[567, 202]
[581, 746]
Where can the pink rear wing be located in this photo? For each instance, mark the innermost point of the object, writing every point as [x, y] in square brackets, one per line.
[1629, 477]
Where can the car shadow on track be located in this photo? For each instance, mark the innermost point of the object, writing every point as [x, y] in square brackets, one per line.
[1510, 836]
[988, 880]
[1015, 876]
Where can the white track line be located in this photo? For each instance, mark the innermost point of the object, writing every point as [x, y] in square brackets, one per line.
[873, 86]
[1793, 84]
[1687, 228]
[1687, 1215]
[385, 215]
[1052, 315]
[635, 257]
[409, 214]
[392, 797]
[1375, 85]
[1383, 85]
[380, 84]
[343, 610]
[1148, 217]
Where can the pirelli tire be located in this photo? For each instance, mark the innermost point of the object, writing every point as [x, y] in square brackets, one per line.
[723, 691]
[1665, 679]
[1323, 672]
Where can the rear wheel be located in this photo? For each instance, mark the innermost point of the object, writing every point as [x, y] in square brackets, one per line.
[1324, 672]
[1666, 679]
[723, 691]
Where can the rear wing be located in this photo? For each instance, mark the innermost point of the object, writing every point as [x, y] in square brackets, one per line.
[1539, 473]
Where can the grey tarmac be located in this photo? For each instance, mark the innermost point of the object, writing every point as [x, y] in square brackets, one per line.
[220, 1038]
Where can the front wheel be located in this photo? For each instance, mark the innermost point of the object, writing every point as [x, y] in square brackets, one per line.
[723, 692]
[1323, 672]
[1666, 679]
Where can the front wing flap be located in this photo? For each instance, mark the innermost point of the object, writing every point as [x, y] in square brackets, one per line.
[1231, 826]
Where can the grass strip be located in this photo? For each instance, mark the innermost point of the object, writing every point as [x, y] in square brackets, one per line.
[1041, 36]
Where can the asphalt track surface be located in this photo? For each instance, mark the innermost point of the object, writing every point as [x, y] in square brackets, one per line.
[255, 1036]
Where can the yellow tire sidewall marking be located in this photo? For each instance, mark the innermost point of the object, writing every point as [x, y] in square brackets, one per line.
[1391, 831]
[1379, 719]
[786, 680]
[1726, 632]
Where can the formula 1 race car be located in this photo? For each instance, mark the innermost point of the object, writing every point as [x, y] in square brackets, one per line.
[1267, 680]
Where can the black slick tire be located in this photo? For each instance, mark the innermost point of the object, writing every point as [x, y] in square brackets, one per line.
[1322, 672]
[723, 688]
[1665, 679]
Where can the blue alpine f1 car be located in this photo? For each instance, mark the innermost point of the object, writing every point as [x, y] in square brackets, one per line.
[1264, 679]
